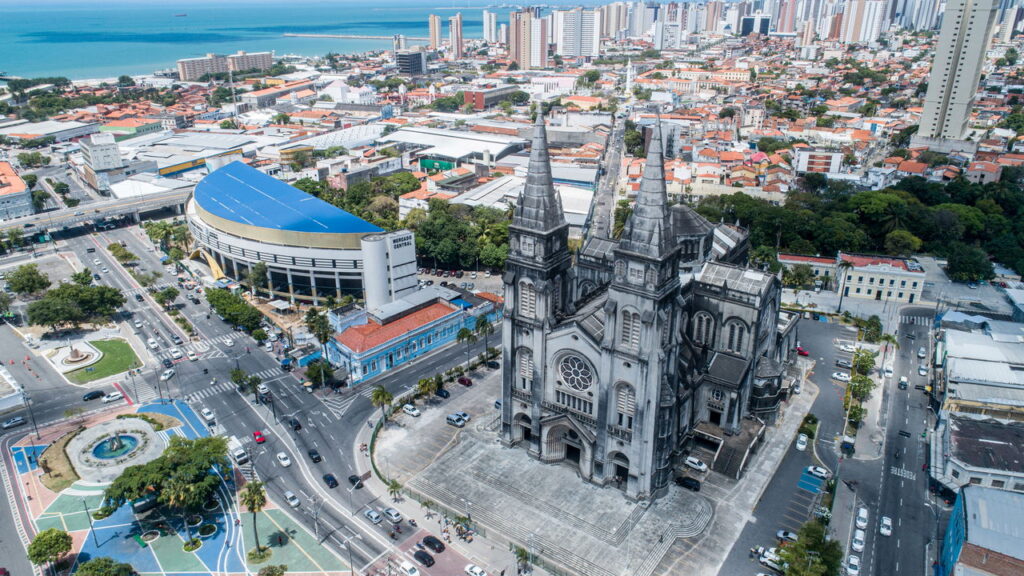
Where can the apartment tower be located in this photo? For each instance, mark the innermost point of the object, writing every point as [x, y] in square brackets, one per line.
[435, 31]
[455, 36]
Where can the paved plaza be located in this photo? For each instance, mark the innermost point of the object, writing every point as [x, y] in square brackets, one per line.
[152, 541]
[548, 509]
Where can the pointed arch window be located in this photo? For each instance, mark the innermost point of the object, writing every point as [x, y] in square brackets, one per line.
[527, 300]
[525, 369]
[625, 405]
[703, 328]
[737, 333]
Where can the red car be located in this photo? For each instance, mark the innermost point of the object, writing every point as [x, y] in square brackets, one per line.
[259, 437]
[465, 381]
[802, 352]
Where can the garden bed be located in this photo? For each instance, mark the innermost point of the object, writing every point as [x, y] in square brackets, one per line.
[118, 357]
[157, 421]
[61, 474]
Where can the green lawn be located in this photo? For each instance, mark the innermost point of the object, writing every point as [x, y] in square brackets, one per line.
[118, 357]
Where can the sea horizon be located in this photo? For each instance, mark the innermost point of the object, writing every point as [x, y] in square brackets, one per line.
[84, 41]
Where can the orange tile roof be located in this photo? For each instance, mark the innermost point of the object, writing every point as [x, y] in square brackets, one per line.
[372, 334]
[860, 261]
[10, 182]
[782, 257]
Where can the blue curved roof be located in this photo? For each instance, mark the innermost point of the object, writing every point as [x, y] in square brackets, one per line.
[242, 194]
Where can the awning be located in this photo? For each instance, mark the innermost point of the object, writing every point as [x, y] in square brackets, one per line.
[164, 258]
[280, 305]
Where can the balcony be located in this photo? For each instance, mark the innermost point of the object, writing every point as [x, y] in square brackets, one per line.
[522, 395]
[620, 433]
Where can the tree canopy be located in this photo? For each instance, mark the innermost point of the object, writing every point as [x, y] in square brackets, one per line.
[234, 308]
[73, 304]
[27, 279]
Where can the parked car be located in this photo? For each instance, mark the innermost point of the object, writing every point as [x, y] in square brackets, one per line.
[847, 348]
[434, 544]
[464, 415]
[688, 483]
[258, 437]
[853, 565]
[330, 481]
[473, 569]
[373, 516]
[406, 568]
[441, 392]
[885, 526]
[922, 370]
[819, 472]
[844, 363]
[113, 397]
[696, 464]
[283, 459]
[291, 498]
[424, 558]
[92, 395]
[801, 442]
[841, 376]
[314, 455]
[355, 481]
[802, 352]
[13, 422]
[454, 420]
[862, 518]
[922, 352]
[465, 381]
[786, 536]
[393, 516]
[411, 410]
[858, 541]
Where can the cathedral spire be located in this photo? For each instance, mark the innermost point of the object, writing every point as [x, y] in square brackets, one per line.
[648, 230]
[540, 207]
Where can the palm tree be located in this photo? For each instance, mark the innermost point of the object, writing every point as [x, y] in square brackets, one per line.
[394, 489]
[888, 339]
[427, 387]
[320, 327]
[159, 232]
[484, 327]
[254, 498]
[179, 492]
[380, 397]
[844, 267]
[466, 335]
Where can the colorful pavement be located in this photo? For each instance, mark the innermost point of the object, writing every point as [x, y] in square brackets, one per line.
[120, 536]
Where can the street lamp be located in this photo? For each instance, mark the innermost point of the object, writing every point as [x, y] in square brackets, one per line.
[92, 528]
[27, 399]
[350, 506]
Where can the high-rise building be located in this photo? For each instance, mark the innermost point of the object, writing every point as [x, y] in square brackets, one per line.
[577, 32]
[503, 33]
[614, 19]
[787, 17]
[756, 24]
[528, 39]
[956, 68]
[455, 36]
[490, 27]
[713, 15]
[398, 42]
[862, 21]
[435, 31]
[539, 37]
[411, 62]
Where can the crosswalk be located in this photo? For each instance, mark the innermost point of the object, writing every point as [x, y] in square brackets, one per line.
[918, 320]
[146, 392]
[219, 388]
[339, 405]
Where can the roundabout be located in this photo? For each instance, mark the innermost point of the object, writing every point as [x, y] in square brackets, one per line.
[100, 453]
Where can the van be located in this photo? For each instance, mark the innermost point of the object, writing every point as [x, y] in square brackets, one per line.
[237, 451]
[144, 504]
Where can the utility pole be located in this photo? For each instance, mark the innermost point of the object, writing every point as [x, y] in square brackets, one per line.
[27, 399]
[92, 529]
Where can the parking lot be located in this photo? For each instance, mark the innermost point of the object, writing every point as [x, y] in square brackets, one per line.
[470, 280]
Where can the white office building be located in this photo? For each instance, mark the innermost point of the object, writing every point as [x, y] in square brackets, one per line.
[577, 33]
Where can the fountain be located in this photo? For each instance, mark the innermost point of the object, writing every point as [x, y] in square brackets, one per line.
[115, 446]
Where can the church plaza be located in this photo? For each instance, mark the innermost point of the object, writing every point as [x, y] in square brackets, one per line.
[545, 508]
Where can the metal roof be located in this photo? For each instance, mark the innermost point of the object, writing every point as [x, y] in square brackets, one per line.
[993, 519]
[245, 195]
[745, 280]
[455, 144]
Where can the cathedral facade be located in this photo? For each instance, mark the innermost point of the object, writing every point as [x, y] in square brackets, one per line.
[615, 355]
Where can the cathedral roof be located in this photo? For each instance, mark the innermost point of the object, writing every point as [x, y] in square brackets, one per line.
[539, 207]
[746, 280]
[648, 230]
[686, 221]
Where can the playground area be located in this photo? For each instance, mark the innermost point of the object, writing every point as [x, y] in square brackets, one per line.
[151, 537]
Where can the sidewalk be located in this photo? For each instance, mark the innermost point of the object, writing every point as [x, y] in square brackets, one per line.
[871, 433]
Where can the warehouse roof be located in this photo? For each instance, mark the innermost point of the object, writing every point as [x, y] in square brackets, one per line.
[993, 519]
[245, 195]
[456, 144]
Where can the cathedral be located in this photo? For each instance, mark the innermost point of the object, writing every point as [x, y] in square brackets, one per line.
[625, 357]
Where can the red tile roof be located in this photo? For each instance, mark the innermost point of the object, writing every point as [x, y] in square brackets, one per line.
[859, 261]
[372, 334]
[808, 259]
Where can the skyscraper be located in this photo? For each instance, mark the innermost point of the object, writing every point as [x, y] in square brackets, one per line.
[956, 68]
[527, 40]
[490, 27]
[455, 36]
[862, 21]
[435, 31]
[577, 32]
[787, 17]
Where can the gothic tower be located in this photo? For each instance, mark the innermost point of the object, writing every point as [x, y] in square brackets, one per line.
[536, 283]
[641, 344]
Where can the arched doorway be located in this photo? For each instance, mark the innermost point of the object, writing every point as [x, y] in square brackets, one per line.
[522, 428]
[561, 442]
[619, 469]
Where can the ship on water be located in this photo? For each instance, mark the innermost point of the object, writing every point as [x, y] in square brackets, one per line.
[180, 15]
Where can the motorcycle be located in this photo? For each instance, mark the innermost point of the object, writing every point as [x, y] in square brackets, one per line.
[206, 371]
[412, 522]
[420, 546]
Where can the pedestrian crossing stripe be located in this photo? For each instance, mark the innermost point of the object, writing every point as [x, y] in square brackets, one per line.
[902, 472]
[916, 320]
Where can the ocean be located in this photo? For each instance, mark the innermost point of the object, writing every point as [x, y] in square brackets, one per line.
[89, 39]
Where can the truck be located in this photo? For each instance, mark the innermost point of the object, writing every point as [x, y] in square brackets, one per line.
[237, 451]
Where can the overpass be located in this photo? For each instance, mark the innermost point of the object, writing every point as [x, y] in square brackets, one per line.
[65, 218]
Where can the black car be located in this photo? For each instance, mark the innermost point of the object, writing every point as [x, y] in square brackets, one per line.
[443, 393]
[167, 363]
[295, 424]
[194, 300]
[688, 483]
[314, 455]
[423, 558]
[434, 544]
[493, 365]
[330, 480]
[139, 298]
[355, 481]
[95, 276]
[844, 363]
[92, 395]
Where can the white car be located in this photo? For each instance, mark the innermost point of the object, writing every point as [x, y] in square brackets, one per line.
[696, 464]
[176, 354]
[393, 516]
[474, 570]
[272, 337]
[888, 371]
[862, 518]
[786, 536]
[922, 370]
[113, 397]
[105, 270]
[922, 352]
[152, 344]
[262, 388]
[208, 415]
[192, 356]
[291, 499]
[229, 342]
[96, 262]
[167, 375]
[137, 323]
[407, 569]
[411, 410]
[373, 516]
[841, 376]
[819, 472]
[283, 460]
[853, 565]
[858, 541]
[885, 526]
[801, 442]
[848, 348]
